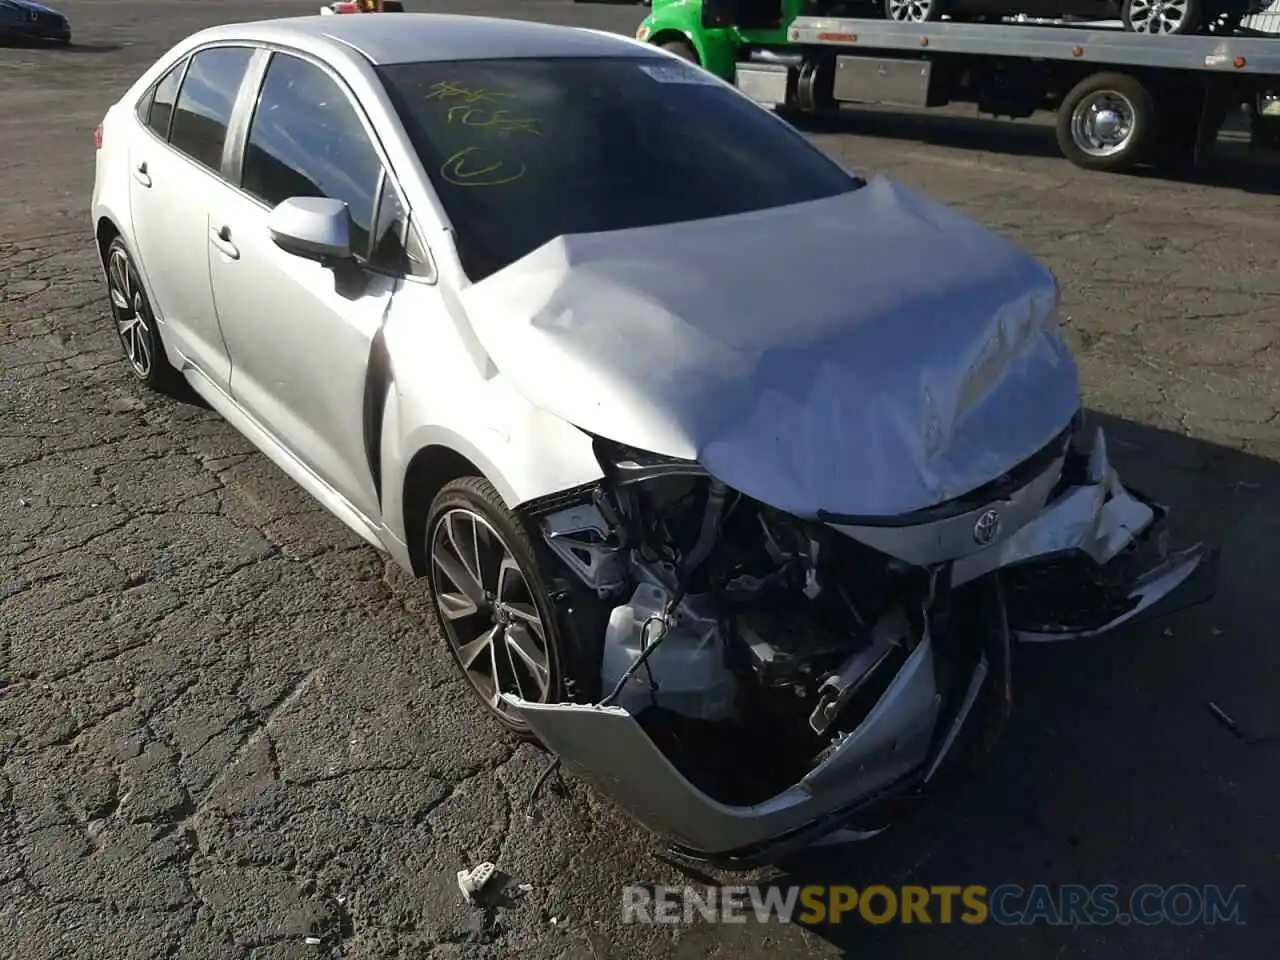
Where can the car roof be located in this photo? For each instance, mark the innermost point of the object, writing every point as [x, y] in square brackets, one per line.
[390, 38]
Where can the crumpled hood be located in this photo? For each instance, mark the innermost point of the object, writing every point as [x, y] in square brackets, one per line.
[870, 355]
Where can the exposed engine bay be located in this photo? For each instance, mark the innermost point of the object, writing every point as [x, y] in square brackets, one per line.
[727, 618]
[764, 654]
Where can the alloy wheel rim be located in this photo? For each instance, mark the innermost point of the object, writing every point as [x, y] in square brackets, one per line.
[129, 312]
[1157, 16]
[1102, 124]
[910, 11]
[488, 612]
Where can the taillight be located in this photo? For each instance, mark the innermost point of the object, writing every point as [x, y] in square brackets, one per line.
[97, 137]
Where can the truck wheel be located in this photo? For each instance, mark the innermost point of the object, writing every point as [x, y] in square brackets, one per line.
[1107, 122]
[913, 11]
[1161, 16]
[681, 48]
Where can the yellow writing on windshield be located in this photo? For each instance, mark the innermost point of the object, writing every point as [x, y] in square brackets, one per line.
[476, 165]
[500, 121]
[467, 168]
[445, 90]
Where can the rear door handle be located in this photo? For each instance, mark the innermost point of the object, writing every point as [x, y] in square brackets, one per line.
[140, 174]
[221, 238]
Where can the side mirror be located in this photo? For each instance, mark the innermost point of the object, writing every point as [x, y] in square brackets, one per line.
[316, 228]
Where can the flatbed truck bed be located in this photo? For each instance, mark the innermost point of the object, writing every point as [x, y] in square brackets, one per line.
[1121, 98]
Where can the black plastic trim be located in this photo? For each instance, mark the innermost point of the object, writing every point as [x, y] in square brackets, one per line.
[1000, 489]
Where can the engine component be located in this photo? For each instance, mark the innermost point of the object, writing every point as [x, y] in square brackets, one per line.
[584, 540]
[687, 675]
[838, 689]
[789, 649]
[708, 532]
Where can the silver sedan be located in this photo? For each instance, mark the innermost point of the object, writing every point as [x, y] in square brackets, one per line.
[731, 474]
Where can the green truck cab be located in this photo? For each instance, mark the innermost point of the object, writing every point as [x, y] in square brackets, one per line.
[711, 31]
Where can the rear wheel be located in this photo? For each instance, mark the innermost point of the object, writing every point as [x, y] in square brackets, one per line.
[1107, 122]
[491, 601]
[136, 322]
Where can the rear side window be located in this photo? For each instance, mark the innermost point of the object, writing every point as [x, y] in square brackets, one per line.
[204, 106]
[157, 107]
[306, 140]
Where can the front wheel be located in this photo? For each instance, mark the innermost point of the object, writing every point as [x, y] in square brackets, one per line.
[491, 601]
[1165, 17]
[1107, 122]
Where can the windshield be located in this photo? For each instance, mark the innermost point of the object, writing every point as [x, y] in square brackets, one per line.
[523, 151]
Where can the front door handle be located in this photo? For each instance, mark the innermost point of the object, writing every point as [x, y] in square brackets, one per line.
[140, 174]
[221, 238]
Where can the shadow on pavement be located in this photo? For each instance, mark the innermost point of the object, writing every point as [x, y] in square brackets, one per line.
[60, 48]
[87, 48]
[1235, 164]
[1112, 769]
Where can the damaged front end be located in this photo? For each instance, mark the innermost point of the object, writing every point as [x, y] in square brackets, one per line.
[765, 679]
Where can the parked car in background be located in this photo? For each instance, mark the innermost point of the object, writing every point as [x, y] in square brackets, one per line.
[1142, 16]
[1139, 16]
[27, 21]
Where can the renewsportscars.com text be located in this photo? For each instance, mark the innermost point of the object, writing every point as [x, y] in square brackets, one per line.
[1006, 905]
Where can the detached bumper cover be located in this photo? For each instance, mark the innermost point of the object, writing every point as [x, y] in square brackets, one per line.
[610, 750]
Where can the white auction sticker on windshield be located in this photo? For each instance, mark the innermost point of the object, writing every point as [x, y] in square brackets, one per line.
[679, 73]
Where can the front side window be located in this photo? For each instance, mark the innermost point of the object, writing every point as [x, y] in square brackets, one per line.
[387, 245]
[208, 95]
[523, 151]
[306, 140]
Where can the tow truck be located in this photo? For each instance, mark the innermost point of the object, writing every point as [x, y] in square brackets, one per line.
[362, 6]
[1121, 98]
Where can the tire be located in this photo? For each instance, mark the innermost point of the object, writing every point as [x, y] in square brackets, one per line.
[136, 326]
[913, 11]
[682, 49]
[1086, 142]
[1144, 16]
[470, 507]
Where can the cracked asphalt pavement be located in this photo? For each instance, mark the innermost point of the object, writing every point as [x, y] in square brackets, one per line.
[226, 726]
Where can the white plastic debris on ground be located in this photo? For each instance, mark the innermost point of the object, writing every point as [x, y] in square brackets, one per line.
[472, 882]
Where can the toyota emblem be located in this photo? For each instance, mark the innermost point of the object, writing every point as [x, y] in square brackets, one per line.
[987, 527]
